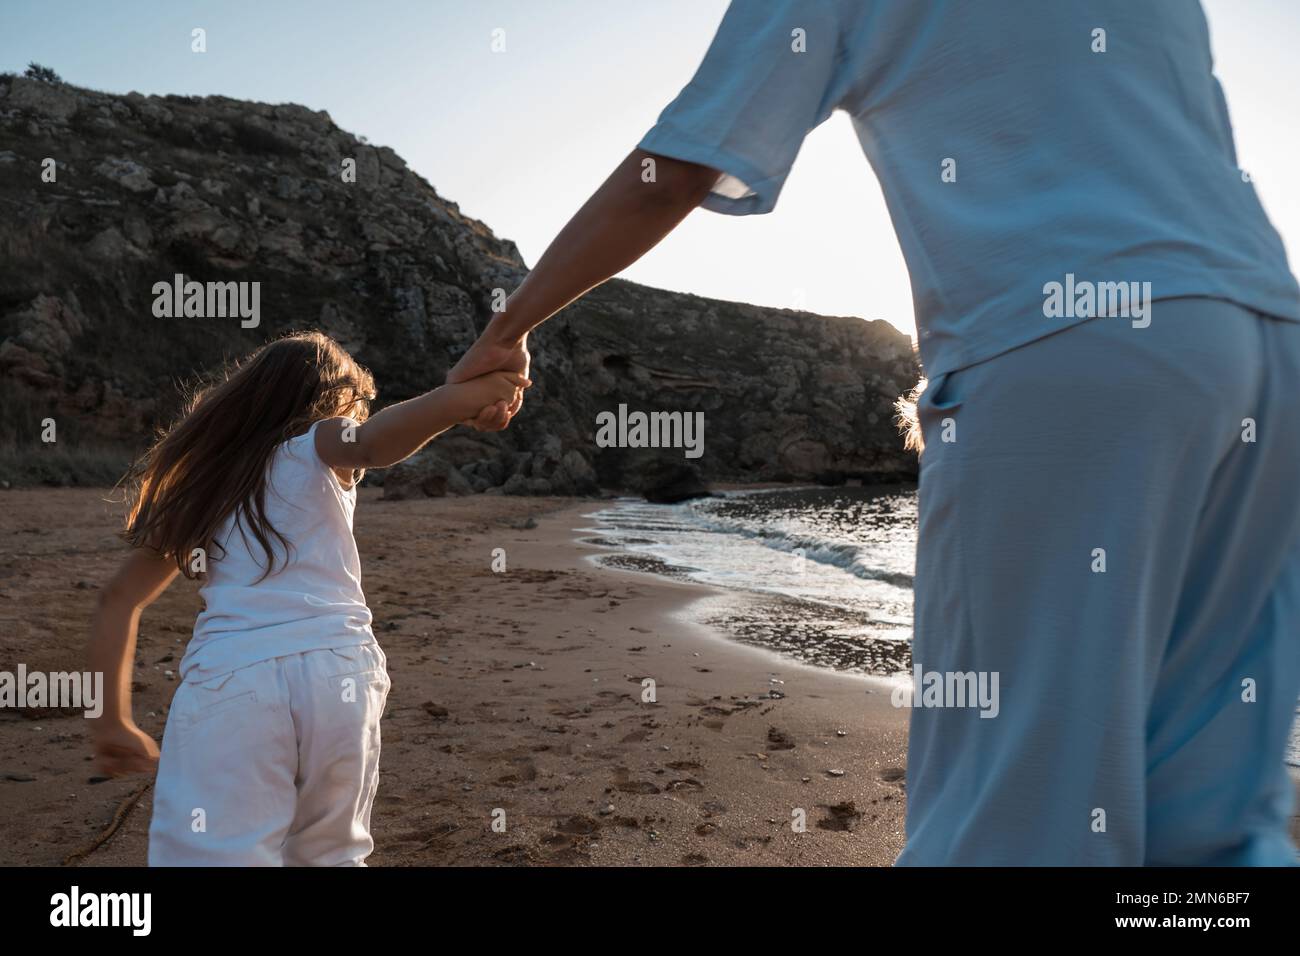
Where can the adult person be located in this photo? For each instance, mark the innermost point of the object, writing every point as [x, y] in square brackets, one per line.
[1108, 517]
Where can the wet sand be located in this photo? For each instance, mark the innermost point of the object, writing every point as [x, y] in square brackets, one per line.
[516, 696]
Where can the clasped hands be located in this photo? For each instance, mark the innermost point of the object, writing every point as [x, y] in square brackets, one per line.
[490, 354]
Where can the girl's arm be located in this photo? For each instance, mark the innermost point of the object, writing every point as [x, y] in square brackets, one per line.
[121, 746]
[400, 430]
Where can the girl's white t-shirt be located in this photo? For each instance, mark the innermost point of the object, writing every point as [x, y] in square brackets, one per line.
[311, 601]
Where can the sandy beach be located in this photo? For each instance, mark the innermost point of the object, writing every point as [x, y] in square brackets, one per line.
[517, 696]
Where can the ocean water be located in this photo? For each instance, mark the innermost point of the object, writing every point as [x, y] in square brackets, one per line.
[820, 575]
[826, 573]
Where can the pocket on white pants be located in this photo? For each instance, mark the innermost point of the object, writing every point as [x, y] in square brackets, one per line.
[196, 703]
[359, 671]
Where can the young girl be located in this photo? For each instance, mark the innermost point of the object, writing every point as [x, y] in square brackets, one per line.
[271, 751]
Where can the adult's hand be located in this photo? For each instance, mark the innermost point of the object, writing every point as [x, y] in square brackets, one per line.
[490, 353]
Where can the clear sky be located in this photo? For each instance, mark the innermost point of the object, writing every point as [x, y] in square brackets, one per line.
[520, 138]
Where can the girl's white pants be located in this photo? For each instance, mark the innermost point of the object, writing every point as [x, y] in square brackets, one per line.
[274, 764]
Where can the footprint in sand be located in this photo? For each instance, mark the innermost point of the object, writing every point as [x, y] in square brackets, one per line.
[636, 786]
[436, 711]
[779, 740]
[514, 855]
[571, 713]
[526, 773]
[842, 817]
[737, 705]
[563, 849]
[577, 826]
[625, 784]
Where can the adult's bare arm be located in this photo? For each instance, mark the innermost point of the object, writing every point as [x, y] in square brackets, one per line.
[643, 200]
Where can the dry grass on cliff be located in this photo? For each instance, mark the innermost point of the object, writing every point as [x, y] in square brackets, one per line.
[57, 465]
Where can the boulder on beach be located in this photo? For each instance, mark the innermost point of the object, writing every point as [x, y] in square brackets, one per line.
[427, 474]
[668, 482]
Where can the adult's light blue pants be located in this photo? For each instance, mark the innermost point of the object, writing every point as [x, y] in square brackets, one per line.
[1113, 528]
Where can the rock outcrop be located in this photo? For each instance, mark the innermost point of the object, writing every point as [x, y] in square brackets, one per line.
[103, 196]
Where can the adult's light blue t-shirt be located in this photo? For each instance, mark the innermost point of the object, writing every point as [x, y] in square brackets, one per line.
[1018, 143]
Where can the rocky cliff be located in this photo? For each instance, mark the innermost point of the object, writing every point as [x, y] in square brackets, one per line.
[103, 196]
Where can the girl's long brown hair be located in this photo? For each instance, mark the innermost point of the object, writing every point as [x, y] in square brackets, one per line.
[212, 461]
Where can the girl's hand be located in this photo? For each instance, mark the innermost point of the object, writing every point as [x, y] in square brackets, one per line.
[487, 394]
[124, 748]
[492, 418]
